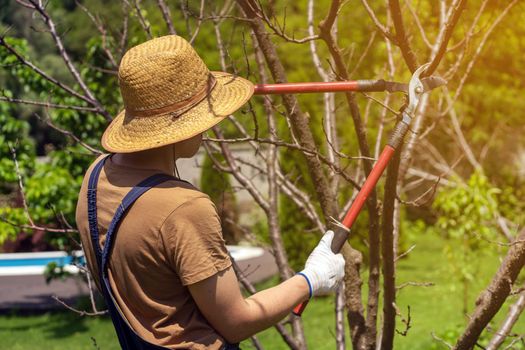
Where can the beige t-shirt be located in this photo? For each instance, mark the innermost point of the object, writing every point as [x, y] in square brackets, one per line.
[170, 237]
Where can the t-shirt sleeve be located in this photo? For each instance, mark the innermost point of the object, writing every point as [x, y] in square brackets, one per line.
[193, 241]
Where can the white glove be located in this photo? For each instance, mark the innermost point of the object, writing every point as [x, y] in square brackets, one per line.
[324, 269]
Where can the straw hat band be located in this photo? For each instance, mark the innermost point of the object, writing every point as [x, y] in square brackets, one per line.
[179, 107]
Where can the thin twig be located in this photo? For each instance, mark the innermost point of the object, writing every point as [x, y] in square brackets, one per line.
[199, 23]
[142, 20]
[416, 202]
[385, 106]
[400, 256]
[69, 134]
[435, 337]
[67, 60]
[279, 29]
[405, 321]
[479, 49]
[415, 284]
[418, 24]
[380, 27]
[38, 228]
[103, 32]
[21, 184]
[43, 74]
[47, 104]
[91, 291]
[466, 42]
[124, 32]
[80, 312]
[445, 35]
[166, 15]
[302, 149]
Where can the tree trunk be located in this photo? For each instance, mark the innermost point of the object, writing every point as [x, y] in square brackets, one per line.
[490, 300]
[514, 313]
[389, 272]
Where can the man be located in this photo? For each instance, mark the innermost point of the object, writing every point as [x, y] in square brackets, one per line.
[167, 277]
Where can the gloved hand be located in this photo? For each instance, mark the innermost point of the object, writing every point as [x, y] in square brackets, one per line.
[324, 269]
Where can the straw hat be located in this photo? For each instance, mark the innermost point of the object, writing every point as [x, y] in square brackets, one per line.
[169, 96]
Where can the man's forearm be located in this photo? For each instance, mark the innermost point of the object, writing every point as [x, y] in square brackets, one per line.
[269, 306]
[237, 318]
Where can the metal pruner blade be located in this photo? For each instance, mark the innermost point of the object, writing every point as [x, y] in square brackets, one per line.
[415, 89]
[432, 82]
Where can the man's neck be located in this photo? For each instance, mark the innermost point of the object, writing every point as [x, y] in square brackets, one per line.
[161, 159]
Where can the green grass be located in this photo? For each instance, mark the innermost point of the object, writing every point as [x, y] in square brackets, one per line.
[56, 331]
[439, 309]
[435, 309]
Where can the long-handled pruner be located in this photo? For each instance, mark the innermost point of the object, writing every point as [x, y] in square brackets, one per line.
[379, 85]
[415, 90]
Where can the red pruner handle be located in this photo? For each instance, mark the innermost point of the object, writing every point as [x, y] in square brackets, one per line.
[298, 310]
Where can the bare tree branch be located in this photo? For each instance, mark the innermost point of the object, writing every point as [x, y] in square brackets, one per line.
[144, 23]
[339, 318]
[492, 298]
[103, 32]
[69, 134]
[513, 315]
[380, 27]
[415, 284]
[388, 252]
[480, 46]
[419, 25]
[167, 16]
[124, 32]
[21, 185]
[435, 337]
[465, 43]
[199, 23]
[277, 28]
[401, 36]
[43, 74]
[67, 60]
[79, 312]
[38, 228]
[47, 104]
[445, 35]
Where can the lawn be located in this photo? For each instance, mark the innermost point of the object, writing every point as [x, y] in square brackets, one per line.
[435, 309]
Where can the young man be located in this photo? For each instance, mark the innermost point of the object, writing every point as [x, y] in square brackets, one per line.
[167, 277]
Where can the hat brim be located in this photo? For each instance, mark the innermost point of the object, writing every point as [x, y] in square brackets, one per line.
[127, 134]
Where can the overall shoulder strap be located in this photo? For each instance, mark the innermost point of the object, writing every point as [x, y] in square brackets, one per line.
[92, 206]
[128, 338]
[128, 200]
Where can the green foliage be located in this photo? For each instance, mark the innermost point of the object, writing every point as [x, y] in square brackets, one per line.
[468, 209]
[53, 271]
[14, 136]
[51, 185]
[451, 335]
[54, 190]
[11, 218]
[466, 215]
[298, 238]
[218, 186]
[214, 182]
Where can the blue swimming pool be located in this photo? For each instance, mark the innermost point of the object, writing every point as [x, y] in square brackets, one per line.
[35, 263]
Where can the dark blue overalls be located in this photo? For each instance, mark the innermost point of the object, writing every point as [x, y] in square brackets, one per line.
[129, 340]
